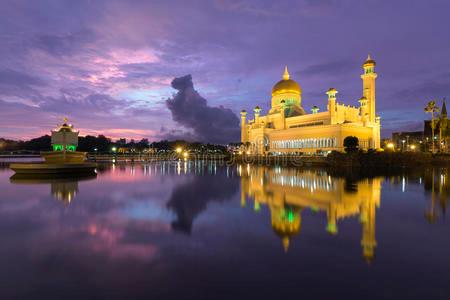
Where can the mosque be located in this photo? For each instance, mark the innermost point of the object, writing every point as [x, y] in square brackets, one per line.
[288, 128]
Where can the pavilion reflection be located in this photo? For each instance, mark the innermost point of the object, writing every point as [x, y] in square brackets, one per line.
[289, 192]
[62, 188]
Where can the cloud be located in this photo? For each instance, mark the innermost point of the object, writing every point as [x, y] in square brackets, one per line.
[62, 45]
[330, 68]
[18, 84]
[12, 77]
[434, 87]
[210, 124]
[187, 204]
[91, 104]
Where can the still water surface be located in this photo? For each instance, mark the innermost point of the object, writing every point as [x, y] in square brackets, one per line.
[205, 231]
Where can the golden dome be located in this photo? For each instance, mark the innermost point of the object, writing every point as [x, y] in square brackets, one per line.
[369, 62]
[286, 85]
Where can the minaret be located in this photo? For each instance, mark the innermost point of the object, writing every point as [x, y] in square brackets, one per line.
[368, 79]
[257, 111]
[332, 104]
[364, 108]
[243, 127]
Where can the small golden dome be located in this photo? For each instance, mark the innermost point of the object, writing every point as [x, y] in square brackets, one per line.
[286, 85]
[369, 62]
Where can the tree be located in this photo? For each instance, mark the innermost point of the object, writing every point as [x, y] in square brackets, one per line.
[42, 143]
[351, 144]
[432, 109]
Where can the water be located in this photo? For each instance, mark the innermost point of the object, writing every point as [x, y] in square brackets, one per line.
[205, 231]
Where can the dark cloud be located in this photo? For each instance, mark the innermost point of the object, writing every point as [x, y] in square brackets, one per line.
[61, 45]
[15, 83]
[430, 88]
[188, 204]
[12, 77]
[210, 124]
[79, 105]
[330, 68]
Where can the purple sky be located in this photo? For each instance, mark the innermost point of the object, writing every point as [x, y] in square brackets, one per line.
[108, 65]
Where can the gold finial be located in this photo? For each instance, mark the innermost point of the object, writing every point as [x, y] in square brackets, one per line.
[65, 119]
[368, 57]
[286, 73]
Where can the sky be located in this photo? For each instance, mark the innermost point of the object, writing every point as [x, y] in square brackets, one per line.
[109, 65]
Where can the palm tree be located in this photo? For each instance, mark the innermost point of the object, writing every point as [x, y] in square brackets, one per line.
[432, 108]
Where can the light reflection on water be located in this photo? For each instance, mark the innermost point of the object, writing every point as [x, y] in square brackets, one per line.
[190, 229]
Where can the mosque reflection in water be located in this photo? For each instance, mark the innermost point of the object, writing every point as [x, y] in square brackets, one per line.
[288, 192]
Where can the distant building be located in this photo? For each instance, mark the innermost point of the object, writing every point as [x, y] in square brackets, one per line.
[288, 128]
[408, 140]
[121, 141]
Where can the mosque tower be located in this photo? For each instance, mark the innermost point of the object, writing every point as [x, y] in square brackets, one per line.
[368, 79]
[243, 126]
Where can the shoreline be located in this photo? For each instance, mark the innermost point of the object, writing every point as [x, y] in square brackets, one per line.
[372, 160]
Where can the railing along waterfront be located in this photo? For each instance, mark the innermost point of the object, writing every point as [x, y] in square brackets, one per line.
[229, 159]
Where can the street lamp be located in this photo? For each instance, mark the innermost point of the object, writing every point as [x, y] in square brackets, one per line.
[390, 146]
[179, 150]
[114, 149]
[413, 147]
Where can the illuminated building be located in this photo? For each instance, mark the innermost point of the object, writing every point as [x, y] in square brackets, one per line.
[289, 192]
[288, 128]
[65, 138]
[64, 143]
